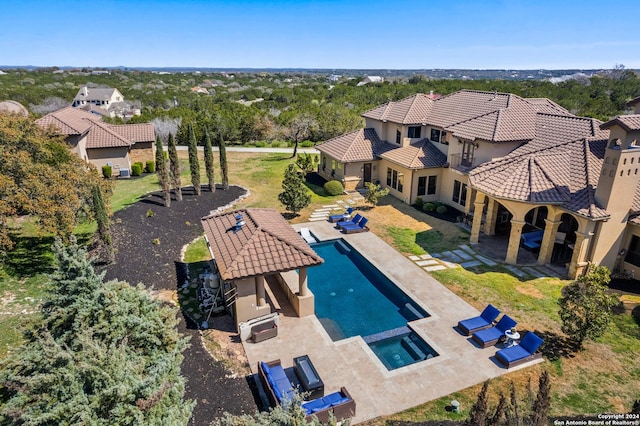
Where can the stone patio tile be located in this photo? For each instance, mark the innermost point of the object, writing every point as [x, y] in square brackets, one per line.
[316, 219]
[450, 265]
[470, 264]
[533, 271]
[414, 257]
[517, 271]
[351, 201]
[467, 249]
[485, 260]
[451, 256]
[434, 268]
[425, 256]
[427, 262]
[329, 206]
[464, 255]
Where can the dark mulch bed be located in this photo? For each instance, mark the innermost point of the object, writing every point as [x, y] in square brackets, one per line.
[140, 258]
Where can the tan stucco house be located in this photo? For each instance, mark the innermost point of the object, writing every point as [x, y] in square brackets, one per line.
[254, 250]
[100, 143]
[511, 165]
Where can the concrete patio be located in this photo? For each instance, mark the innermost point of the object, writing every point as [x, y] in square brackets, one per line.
[351, 363]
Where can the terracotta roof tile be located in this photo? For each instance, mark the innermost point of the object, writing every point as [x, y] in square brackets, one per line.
[418, 155]
[69, 121]
[143, 132]
[628, 122]
[359, 145]
[264, 245]
[103, 136]
[410, 110]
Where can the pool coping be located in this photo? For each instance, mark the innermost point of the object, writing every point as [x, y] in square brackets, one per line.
[351, 362]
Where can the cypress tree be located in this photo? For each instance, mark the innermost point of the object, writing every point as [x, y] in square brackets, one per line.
[540, 409]
[174, 167]
[102, 218]
[479, 411]
[295, 196]
[162, 170]
[223, 163]
[194, 164]
[208, 161]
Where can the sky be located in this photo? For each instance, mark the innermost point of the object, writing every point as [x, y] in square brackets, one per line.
[328, 34]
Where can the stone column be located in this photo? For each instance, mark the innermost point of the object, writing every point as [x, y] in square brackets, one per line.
[514, 241]
[491, 217]
[477, 218]
[260, 298]
[579, 250]
[548, 241]
[302, 282]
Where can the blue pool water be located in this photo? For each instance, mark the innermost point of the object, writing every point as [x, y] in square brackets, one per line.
[353, 298]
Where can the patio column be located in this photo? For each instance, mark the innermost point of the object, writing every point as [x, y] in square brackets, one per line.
[302, 282]
[579, 249]
[491, 217]
[477, 218]
[548, 241]
[260, 291]
[514, 241]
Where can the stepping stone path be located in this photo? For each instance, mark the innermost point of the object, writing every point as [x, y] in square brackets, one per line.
[323, 213]
[466, 257]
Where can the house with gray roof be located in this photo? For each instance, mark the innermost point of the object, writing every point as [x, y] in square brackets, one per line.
[512, 166]
[100, 143]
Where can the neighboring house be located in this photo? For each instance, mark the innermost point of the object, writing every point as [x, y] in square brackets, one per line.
[100, 143]
[371, 79]
[105, 101]
[512, 166]
[254, 246]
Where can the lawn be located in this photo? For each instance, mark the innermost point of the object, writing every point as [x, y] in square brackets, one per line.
[604, 377]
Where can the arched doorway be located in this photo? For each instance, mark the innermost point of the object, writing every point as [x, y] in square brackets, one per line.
[565, 240]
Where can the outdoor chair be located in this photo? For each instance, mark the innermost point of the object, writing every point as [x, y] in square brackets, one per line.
[359, 227]
[485, 320]
[306, 234]
[344, 216]
[490, 336]
[356, 219]
[523, 352]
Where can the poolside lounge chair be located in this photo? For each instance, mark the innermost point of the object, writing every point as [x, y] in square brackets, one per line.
[485, 320]
[357, 218]
[306, 234]
[523, 352]
[490, 336]
[359, 227]
[344, 216]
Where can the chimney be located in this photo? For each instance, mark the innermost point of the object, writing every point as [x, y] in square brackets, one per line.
[85, 91]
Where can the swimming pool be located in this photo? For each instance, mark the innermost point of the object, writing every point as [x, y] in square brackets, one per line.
[353, 298]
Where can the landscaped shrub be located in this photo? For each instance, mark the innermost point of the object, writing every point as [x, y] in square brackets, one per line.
[333, 187]
[418, 203]
[260, 144]
[150, 167]
[106, 171]
[441, 209]
[136, 169]
[306, 144]
[428, 207]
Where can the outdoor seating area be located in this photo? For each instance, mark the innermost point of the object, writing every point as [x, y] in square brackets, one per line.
[532, 240]
[490, 336]
[340, 217]
[280, 388]
[525, 351]
[355, 225]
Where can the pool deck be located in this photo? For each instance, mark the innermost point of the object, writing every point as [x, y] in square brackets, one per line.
[351, 363]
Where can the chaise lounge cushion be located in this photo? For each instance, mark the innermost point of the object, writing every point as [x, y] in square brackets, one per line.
[490, 336]
[522, 352]
[486, 318]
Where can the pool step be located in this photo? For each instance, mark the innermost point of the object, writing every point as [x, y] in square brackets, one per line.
[342, 247]
[408, 307]
[413, 349]
[372, 338]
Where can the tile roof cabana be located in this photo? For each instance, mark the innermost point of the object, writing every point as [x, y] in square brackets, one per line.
[252, 244]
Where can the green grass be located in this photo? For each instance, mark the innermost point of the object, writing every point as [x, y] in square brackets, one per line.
[197, 251]
[128, 191]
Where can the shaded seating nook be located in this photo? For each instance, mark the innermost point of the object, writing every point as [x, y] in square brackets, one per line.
[490, 336]
[523, 352]
[485, 320]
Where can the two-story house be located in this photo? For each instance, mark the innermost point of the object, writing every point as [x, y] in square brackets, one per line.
[514, 165]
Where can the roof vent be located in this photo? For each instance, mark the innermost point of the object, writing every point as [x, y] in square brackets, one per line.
[239, 222]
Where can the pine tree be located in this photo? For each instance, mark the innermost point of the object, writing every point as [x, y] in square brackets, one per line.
[515, 418]
[223, 163]
[208, 161]
[162, 169]
[295, 196]
[500, 414]
[540, 409]
[99, 354]
[479, 411]
[174, 167]
[102, 218]
[194, 163]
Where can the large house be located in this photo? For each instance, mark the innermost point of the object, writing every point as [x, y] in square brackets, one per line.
[102, 144]
[513, 166]
[105, 101]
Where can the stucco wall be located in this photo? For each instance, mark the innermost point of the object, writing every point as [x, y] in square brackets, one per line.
[118, 158]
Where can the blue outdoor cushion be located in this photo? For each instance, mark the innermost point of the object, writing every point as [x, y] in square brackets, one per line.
[506, 323]
[340, 401]
[277, 372]
[474, 323]
[282, 388]
[490, 313]
[265, 368]
[514, 353]
[531, 342]
[315, 406]
[332, 397]
[488, 334]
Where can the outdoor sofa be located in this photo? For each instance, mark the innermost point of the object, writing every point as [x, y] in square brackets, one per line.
[523, 352]
[279, 389]
[490, 336]
[485, 320]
